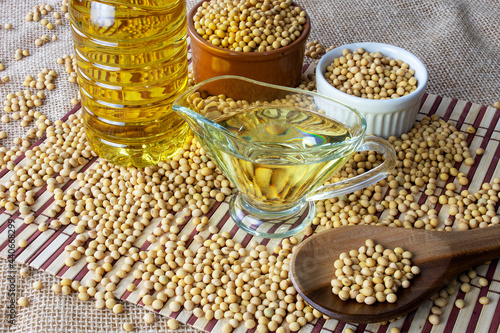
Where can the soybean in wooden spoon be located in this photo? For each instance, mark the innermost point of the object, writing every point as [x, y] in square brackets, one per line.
[441, 256]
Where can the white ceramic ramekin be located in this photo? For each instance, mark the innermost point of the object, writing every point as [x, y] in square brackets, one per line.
[383, 117]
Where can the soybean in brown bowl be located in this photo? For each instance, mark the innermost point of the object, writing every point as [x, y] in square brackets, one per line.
[282, 66]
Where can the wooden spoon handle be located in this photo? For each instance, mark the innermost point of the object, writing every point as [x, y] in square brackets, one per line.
[464, 249]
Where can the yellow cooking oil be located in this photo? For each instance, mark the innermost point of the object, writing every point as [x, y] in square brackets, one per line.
[132, 64]
[281, 161]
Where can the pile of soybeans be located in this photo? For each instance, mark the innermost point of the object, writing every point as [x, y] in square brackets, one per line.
[208, 272]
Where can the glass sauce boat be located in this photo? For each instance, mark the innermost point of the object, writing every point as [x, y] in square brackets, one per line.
[278, 146]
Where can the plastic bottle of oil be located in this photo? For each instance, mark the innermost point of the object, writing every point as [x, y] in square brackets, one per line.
[132, 64]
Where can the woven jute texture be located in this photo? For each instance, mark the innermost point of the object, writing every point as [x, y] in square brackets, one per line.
[459, 42]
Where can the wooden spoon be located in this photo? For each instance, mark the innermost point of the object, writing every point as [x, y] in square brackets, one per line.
[441, 256]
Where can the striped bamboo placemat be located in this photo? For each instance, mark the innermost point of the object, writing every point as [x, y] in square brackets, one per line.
[45, 250]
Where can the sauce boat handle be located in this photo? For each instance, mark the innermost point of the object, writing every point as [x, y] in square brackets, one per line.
[366, 179]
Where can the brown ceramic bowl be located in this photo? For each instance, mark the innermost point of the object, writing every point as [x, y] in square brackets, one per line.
[282, 66]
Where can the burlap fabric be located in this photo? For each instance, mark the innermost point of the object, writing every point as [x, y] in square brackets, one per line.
[459, 42]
